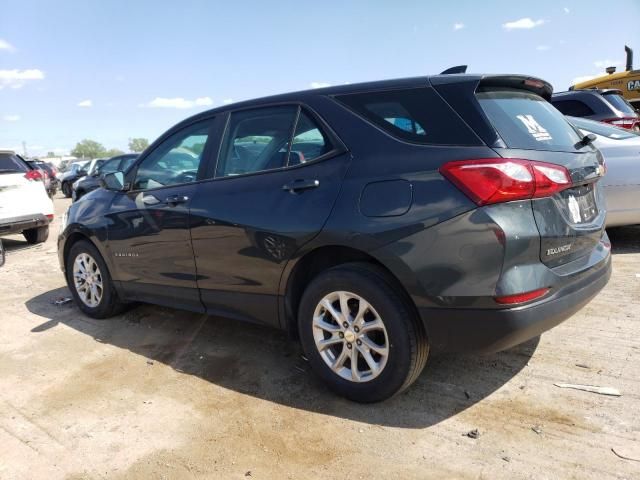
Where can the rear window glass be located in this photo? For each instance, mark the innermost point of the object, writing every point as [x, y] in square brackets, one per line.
[619, 103]
[10, 163]
[602, 129]
[417, 115]
[525, 120]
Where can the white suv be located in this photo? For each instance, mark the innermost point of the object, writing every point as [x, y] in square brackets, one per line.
[25, 206]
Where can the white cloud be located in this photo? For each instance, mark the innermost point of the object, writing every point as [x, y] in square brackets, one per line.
[179, 102]
[319, 84]
[85, 103]
[566, 10]
[543, 48]
[17, 78]
[524, 23]
[6, 46]
[11, 118]
[607, 63]
[227, 101]
[458, 26]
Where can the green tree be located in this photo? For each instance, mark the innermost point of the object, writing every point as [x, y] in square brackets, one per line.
[112, 152]
[138, 144]
[88, 149]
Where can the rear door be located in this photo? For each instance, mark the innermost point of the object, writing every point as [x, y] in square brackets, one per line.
[270, 195]
[571, 222]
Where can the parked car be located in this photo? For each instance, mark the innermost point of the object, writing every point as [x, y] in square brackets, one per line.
[75, 171]
[24, 205]
[49, 175]
[607, 106]
[376, 221]
[621, 150]
[91, 181]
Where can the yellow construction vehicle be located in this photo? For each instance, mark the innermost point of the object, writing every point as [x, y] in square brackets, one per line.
[628, 82]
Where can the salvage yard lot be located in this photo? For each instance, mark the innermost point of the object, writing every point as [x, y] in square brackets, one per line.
[160, 393]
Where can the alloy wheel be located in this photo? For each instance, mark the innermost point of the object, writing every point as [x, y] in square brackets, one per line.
[87, 280]
[350, 336]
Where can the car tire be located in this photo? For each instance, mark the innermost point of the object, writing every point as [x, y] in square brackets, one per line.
[400, 346]
[96, 278]
[36, 235]
[66, 189]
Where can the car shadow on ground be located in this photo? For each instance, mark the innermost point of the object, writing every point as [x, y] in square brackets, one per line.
[624, 239]
[16, 243]
[263, 363]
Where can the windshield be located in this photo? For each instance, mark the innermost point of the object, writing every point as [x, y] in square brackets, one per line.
[108, 167]
[526, 120]
[602, 129]
[620, 103]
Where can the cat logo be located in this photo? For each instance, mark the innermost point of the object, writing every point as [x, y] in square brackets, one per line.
[536, 130]
[633, 85]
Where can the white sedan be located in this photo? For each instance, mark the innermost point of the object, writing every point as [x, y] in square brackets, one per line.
[25, 206]
[621, 151]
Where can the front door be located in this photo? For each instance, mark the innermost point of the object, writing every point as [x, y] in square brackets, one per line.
[149, 238]
[277, 177]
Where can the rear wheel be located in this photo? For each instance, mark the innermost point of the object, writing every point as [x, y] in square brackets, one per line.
[36, 235]
[66, 189]
[359, 333]
[90, 282]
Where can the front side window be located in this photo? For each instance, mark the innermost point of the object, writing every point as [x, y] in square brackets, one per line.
[256, 140]
[176, 160]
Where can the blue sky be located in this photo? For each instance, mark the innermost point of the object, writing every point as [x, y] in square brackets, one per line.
[110, 70]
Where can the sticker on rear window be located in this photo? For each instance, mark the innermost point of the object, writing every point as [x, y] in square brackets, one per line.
[536, 130]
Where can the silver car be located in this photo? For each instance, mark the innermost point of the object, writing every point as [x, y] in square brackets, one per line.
[621, 151]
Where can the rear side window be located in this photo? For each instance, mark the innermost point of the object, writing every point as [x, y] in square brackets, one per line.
[575, 108]
[527, 121]
[619, 103]
[416, 115]
[10, 163]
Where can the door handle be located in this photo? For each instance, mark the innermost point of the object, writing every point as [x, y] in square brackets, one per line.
[299, 185]
[173, 200]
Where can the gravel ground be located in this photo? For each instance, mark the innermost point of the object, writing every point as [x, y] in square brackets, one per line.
[159, 393]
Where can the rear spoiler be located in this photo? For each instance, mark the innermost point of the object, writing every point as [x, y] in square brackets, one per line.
[522, 82]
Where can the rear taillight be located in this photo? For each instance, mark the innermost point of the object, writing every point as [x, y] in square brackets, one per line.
[630, 123]
[50, 217]
[496, 180]
[521, 297]
[33, 175]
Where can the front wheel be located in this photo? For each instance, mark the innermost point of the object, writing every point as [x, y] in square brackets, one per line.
[90, 282]
[360, 333]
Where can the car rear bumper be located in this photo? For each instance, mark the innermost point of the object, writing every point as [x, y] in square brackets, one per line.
[10, 226]
[492, 330]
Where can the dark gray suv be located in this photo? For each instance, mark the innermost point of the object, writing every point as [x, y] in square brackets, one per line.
[377, 222]
[601, 105]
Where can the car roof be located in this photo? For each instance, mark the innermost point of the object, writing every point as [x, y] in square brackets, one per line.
[588, 91]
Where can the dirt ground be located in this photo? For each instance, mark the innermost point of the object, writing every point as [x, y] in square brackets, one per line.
[159, 393]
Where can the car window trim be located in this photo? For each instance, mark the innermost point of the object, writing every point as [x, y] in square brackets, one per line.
[338, 146]
[133, 170]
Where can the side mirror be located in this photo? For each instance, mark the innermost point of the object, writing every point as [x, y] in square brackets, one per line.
[113, 181]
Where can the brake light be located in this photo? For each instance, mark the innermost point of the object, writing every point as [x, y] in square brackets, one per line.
[33, 175]
[50, 217]
[521, 297]
[496, 180]
[626, 122]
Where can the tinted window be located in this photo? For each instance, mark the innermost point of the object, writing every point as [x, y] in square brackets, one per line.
[575, 108]
[10, 163]
[525, 120]
[109, 166]
[619, 103]
[127, 162]
[256, 140]
[603, 129]
[176, 160]
[309, 142]
[417, 115]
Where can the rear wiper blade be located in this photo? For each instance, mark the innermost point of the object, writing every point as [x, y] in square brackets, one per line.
[586, 140]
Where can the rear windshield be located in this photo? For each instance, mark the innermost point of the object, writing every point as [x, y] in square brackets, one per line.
[10, 163]
[619, 103]
[417, 115]
[527, 121]
[602, 129]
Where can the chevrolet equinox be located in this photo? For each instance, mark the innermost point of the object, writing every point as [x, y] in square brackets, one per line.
[373, 221]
